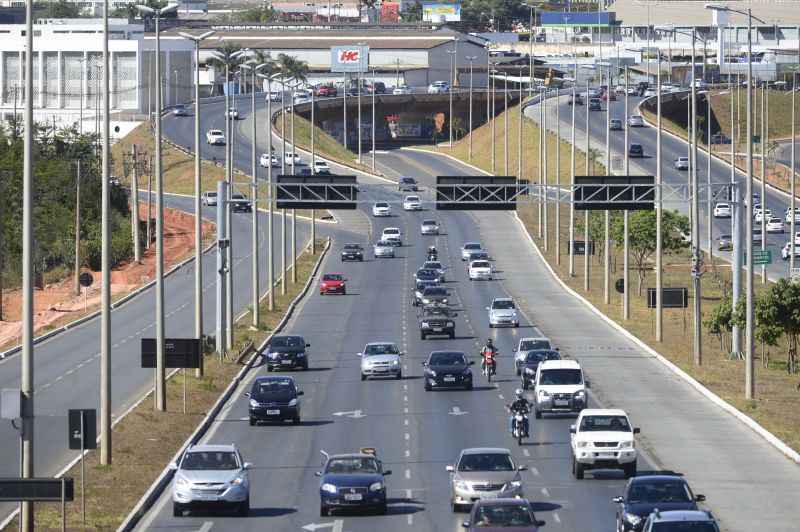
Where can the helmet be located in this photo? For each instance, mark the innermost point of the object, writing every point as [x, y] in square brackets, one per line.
[518, 393]
[432, 248]
[489, 341]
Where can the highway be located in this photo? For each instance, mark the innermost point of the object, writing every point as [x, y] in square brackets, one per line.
[418, 433]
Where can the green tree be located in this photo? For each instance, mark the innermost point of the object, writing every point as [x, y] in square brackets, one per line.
[413, 13]
[642, 237]
[226, 59]
[720, 322]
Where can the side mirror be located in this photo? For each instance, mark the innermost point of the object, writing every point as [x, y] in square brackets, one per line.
[522, 468]
[425, 364]
[317, 473]
[541, 523]
[308, 345]
[449, 469]
[389, 472]
[466, 524]
[618, 499]
[247, 465]
[487, 308]
[300, 392]
[699, 498]
[173, 466]
[636, 430]
[572, 429]
[246, 394]
[471, 362]
[359, 354]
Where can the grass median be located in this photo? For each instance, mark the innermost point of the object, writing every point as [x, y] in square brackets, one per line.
[145, 441]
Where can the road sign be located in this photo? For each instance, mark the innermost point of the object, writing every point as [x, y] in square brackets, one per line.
[353, 58]
[333, 192]
[85, 279]
[10, 400]
[477, 192]
[670, 297]
[82, 422]
[762, 256]
[178, 353]
[36, 489]
[579, 247]
[621, 193]
[619, 286]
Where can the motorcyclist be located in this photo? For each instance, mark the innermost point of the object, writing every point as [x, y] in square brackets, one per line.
[489, 354]
[432, 253]
[522, 406]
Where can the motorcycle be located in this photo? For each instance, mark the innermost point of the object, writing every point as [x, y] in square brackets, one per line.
[519, 420]
[433, 256]
[489, 364]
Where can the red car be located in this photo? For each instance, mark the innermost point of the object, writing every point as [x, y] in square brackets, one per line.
[326, 91]
[333, 283]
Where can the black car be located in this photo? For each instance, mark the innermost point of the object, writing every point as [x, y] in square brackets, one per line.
[578, 100]
[636, 150]
[379, 87]
[447, 369]
[527, 366]
[274, 399]
[423, 281]
[433, 295]
[594, 104]
[646, 493]
[407, 184]
[499, 514]
[355, 481]
[287, 352]
[436, 320]
[240, 203]
[352, 252]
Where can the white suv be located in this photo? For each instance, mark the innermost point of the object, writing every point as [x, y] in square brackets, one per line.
[392, 234]
[412, 203]
[603, 439]
[559, 387]
[211, 475]
[502, 312]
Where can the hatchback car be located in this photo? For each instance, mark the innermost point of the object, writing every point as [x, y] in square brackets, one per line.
[381, 209]
[725, 242]
[402, 89]
[468, 248]
[643, 494]
[209, 199]
[480, 270]
[383, 249]
[352, 252]
[774, 225]
[681, 163]
[560, 387]
[215, 137]
[447, 369]
[432, 295]
[484, 473]
[636, 151]
[381, 359]
[412, 203]
[503, 312]
[266, 160]
[595, 105]
[211, 475]
[287, 352]
[530, 343]
[429, 227]
[577, 100]
[722, 210]
[788, 216]
[635, 121]
[233, 113]
[291, 157]
[786, 251]
[615, 124]
[527, 365]
[392, 235]
[333, 283]
[180, 110]
[352, 481]
[438, 87]
[407, 184]
[321, 167]
[274, 399]
[502, 514]
[240, 203]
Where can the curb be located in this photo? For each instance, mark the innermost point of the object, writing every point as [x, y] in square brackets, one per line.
[773, 440]
[165, 478]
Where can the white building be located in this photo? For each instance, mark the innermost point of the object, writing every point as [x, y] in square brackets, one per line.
[67, 63]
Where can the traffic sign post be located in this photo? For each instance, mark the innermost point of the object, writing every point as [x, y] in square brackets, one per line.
[83, 435]
[762, 256]
[39, 489]
[85, 280]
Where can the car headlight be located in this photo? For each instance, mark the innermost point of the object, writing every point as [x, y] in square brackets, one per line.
[293, 402]
[376, 486]
[300, 355]
[461, 485]
[330, 488]
[632, 518]
[467, 371]
[582, 444]
[254, 403]
[395, 362]
[181, 481]
[580, 394]
[426, 300]
[237, 481]
[530, 371]
[273, 355]
[426, 324]
[626, 445]
[515, 484]
[543, 393]
[431, 373]
[450, 324]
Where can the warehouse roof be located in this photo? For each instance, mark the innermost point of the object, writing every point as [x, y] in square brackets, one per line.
[683, 12]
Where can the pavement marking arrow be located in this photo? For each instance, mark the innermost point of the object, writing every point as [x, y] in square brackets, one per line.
[206, 526]
[355, 414]
[335, 525]
[457, 412]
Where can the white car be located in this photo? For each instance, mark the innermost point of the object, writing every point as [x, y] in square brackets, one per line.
[529, 343]
[412, 203]
[321, 167]
[681, 163]
[619, 89]
[381, 209]
[603, 439]
[786, 250]
[266, 160]
[559, 387]
[760, 215]
[469, 247]
[380, 359]
[797, 238]
[215, 137]
[480, 270]
[383, 250]
[796, 216]
[429, 227]
[402, 89]
[301, 96]
[392, 234]
[202, 466]
[273, 96]
[233, 113]
[290, 157]
[502, 312]
[635, 121]
[209, 199]
[774, 225]
[722, 210]
[438, 87]
[649, 92]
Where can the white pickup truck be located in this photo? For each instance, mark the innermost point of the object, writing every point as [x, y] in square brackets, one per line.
[603, 439]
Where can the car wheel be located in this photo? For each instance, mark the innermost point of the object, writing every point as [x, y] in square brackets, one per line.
[305, 366]
[344, 291]
[244, 507]
[427, 387]
[456, 508]
[323, 511]
[399, 376]
[421, 336]
[252, 421]
[630, 470]
[452, 335]
[537, 414]
[296, 420]
[177, 509]
[269, 368]
[363, 377]
[491, 326]
[577, 469]
[468, 387]
[517, 369]
[382, 509]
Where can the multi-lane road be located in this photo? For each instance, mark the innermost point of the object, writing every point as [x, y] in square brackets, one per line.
[418, 433]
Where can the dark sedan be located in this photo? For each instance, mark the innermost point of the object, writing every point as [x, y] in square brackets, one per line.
[240, 203]
[287, 352]
[274, 399]
[447, 369]
[646, 493]
[528, 365]
[352, 252]
[505, 515]
[352, 481]
[636, 150]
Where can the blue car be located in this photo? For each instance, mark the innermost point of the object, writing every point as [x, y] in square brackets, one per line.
[352, 481]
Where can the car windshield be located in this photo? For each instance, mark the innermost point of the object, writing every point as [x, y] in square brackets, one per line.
[479, 255]
[431, 265]
[211, 194]
[561, 376]
[209, 461]
[381, 349]
[215, 132]
[332, 277]
[541, 356]
[725, 237]
[685, 526]
[775, 221]
[391, 231]
[237, 196]
[503, 304]
[480, 264]
[605, 423]
[287, 341]
[426, 275]
[407, 180]
[382, 204]
[277, 389]
[352, 464]
[354, 247]
[486, 462]
[500, 516]
[528, 345]
[435, 291]
[472, 246]
[447, 359]
[412, 198]
[659, 491]
[636, 146]
[428, 222]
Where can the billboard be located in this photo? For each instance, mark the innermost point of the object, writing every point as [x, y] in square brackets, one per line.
[353, 58]
[390, 12]
[573, 18]
[441, 11]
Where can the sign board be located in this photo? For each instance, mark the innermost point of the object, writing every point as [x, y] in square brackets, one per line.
[85, 279]
[10, 401]
[477, 192]
[670, 297]
[178, 353]
[579, 247]
[352, 58]
[36, 489]
[610, 193]
[619, 286]
[320, 191]
[82, 429]
[390, 12]
[762, 256]
[441, 11]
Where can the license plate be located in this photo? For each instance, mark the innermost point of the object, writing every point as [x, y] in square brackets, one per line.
[606, 455]
[286, 362]
[273, 412]
[488, 495]
[449, 379]
[437, 329]
[206, 497]
[562, 403]
[352, 496]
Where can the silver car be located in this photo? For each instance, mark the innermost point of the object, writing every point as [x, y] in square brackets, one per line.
[484, 473]
[468, 248]
[383, 250]
[213, 475]
[380, 359]
[437, 267]
[503, 312]
[429, 227]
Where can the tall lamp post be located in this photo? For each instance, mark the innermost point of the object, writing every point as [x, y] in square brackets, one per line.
[471, 59]
[198, 219]
[160, 395]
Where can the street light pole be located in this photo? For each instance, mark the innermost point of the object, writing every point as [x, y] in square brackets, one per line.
[373, 119]
[626, 297]
[607, 214]
[558, 179]
[572, 178]
[659, 211]
[763, 143]
[586, 284]
[471, 59]
[696, 253]
[505, 122]
[543, 144]
[791, 182]
[313, 171]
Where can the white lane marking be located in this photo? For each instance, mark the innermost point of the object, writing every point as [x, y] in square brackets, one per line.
[407, 436]
[408, 473]
[410, 519]
[405, 422]
[556, 518]
[534, 471]
[405, 386]
[526, 452]
[405, 398]
[500, 395]
[405, 410]
[545, 492]
[408, 453]
[206, 526]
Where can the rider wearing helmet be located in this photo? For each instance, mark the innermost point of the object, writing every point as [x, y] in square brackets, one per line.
[520, 405]
[488, 354]
[432, 253]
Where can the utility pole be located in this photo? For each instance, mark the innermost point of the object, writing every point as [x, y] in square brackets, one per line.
[736, 230]
[505, 122]
[294, 153]
[791, 181]
[137, 244]
[543, 144]
[586, 284]
[373, 123]
[558, 178]
[750, 382]
[572, 178]
[607, 213]
[494, 127]
[471, 59]
[105, 312]
[222, 243]
[764, 141]
[659, 205]
[313, 168]
[697, 259]
[359, 128]
[77, 286]
[626, 297]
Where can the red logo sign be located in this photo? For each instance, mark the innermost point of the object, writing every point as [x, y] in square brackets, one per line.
[350, 56]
